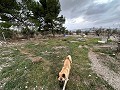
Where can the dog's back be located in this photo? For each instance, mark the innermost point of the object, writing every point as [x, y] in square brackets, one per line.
[69, 58]
[64, 73]
[67, 62]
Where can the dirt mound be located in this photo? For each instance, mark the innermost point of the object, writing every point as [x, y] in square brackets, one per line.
[30, 56]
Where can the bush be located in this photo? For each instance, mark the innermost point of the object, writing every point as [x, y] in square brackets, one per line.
[109, 40]
[27, 33]
[7, 33]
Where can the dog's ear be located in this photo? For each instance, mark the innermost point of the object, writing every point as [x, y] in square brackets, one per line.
[63, 75]
[57, 75]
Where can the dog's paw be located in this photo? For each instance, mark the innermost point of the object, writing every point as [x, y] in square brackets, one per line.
[66, 79]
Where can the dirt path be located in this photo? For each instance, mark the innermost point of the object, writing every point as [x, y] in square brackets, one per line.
[111, 77]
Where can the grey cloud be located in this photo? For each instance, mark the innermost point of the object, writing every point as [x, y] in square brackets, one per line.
[103, 13]
[72, 4]
[73, 8]
[98, 14]
[97, 9]
[102, 8]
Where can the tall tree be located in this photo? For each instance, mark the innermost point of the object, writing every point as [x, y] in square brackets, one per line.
[7, 9]
[78, 31]
[58, 25]
[29, 13]
[98, 31]
[17, 13]
[47, 11]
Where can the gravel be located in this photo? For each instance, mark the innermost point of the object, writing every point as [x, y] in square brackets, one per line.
[104, 72]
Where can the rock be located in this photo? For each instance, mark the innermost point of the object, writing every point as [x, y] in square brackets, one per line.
[79, 46]
[73, 41]
[86, 46]
[0, 44]
[59, 47]
[102, 42]
[36, 59]
[81, 39]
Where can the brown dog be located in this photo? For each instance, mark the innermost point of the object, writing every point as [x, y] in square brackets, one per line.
[64, 73]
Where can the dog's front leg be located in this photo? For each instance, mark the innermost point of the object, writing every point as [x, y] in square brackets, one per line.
[65, 84]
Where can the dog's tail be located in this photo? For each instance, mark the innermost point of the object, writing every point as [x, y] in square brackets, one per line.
[69, 57]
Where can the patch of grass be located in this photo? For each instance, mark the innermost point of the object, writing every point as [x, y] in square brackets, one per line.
[24, 75]
[112, 66]
[109, 52]
[110, 62]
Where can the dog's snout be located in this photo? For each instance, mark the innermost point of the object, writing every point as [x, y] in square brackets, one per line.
[61, 80]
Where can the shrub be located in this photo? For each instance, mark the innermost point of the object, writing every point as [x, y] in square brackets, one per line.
[7, 33]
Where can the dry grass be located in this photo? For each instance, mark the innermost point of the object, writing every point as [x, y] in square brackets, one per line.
[22, 74]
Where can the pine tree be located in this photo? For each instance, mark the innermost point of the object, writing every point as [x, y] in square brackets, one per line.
[17, 13]
[47, 12]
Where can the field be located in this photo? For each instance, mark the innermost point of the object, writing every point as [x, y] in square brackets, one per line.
[18, 72]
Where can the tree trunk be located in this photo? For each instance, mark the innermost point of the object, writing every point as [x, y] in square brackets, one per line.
[53, 33]
[118, 47]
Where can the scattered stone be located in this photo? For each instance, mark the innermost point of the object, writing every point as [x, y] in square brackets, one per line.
[118, 56]
[47, 53]
[89, 76]
[58, 56]
[7, 58]
[102, 42]
[59, 47]
[16, 49]
[3, 82]
[37, 44]
[26, 86]
[113, 38]
[4, 65]
[22, 47]
[86, 46]
[7, 52]
[23, 39]
[113, 54]
[36, 59]
[0, 44]
[81, 39]
[73, 41]
[79, 46]
[84, 35]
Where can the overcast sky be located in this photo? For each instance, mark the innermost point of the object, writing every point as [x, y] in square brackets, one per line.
[90, 13]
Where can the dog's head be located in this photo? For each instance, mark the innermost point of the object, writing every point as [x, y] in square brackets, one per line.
[61, 77]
